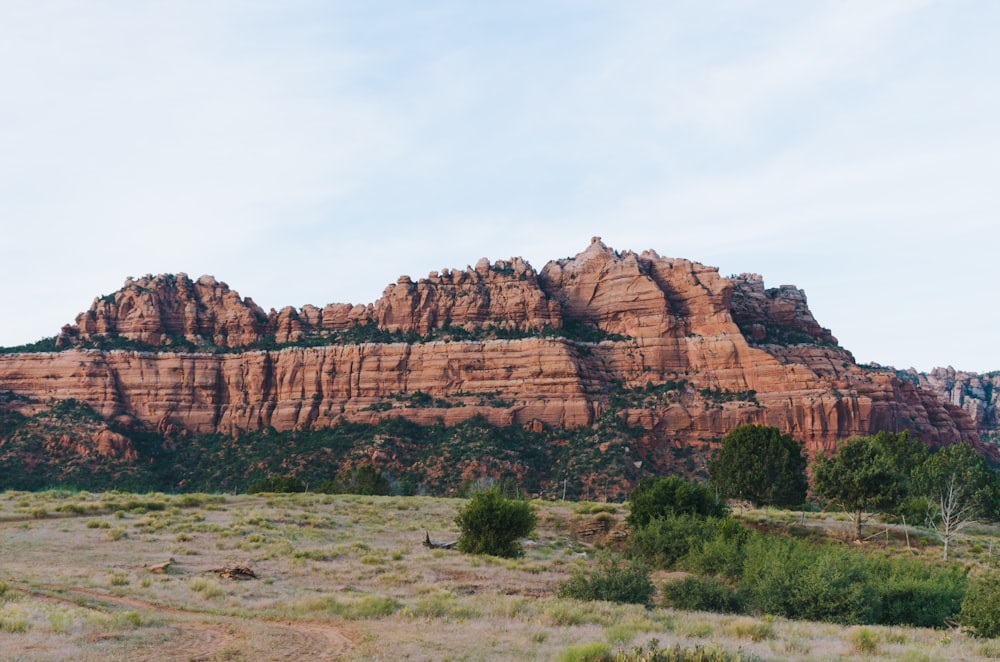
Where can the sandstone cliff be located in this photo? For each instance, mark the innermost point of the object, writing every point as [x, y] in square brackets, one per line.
[977, 394]
[675, 352]
[162, 309]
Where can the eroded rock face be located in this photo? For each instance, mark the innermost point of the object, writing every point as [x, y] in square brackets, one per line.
[977, 395]
[735, 352]
[159, 310]
[504, 294]
[777, 315]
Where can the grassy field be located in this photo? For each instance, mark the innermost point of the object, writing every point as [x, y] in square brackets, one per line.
[346, 577]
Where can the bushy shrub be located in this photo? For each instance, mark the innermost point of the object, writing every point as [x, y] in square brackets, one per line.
[659, 497]
[614, 580]
[769, 586]
[365, 607]
[981, 607]
[328, 486]
[592, 652]
[912, 592]
[363, 479]
[491, 523]
[710, 545]
[770, 574]
[277, 484]
[722, 553]
[787, 578]
[864, 641]
[835, 587]
[703, 594]
[917, 603]
[652, 652]
[665, 540]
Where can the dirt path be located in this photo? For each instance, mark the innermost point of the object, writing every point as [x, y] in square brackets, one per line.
[193, 635]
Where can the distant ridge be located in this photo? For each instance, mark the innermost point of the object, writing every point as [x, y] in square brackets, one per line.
[665, 351]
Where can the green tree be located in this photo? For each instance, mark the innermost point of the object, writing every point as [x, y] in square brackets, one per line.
[363, 479]
[759, 464]
[960, 489]
[905, 453]
[981, 606]
[492, 523]
[670, 495]
[867, 474]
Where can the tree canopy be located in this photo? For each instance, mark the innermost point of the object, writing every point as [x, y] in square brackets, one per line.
[491, 523]
[867, 474]
[760, 464]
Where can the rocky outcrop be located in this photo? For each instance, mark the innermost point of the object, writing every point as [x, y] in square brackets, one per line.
[160, 310]
[976, 394]
[62, 443]
[777, 315]
[639, 296]
[163, 310]
[670, 347]
[644, 296]
[503, 295]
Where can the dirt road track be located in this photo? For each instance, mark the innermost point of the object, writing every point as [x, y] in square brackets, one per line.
[192, 635]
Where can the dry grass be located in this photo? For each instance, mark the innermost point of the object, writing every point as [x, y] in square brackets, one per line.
[344, 577]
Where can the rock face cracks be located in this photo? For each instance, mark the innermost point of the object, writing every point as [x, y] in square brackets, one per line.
[500, 340]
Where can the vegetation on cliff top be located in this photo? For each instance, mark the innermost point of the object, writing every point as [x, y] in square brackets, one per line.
[362, 333]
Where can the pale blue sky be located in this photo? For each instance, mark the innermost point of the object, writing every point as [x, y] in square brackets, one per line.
[311, 152]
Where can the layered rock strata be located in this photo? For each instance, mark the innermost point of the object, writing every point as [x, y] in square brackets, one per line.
[580, 332]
